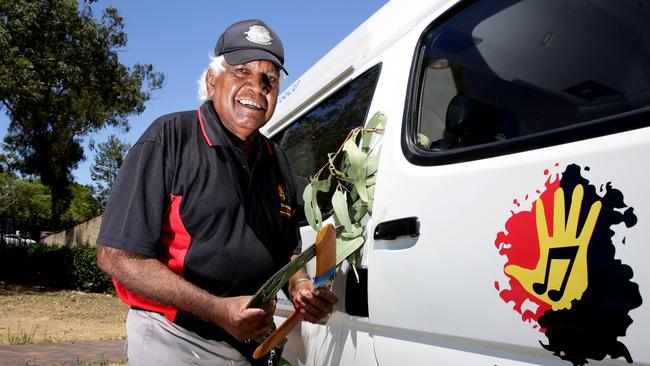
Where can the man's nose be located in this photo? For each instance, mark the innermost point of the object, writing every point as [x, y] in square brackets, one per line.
[260, 83]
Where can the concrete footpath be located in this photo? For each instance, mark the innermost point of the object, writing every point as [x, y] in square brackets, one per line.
[64, 354]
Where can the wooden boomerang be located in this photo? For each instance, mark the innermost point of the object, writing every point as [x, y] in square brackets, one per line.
[325, 271]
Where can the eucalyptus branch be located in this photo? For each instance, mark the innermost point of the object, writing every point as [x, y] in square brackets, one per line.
[352, 186]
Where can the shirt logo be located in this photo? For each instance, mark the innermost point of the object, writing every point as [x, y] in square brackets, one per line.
[285, 208]
[258, 34]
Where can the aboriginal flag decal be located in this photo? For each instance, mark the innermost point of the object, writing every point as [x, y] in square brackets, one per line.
[562, 270]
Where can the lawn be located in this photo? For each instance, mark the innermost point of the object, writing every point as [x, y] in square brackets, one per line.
[32, 314]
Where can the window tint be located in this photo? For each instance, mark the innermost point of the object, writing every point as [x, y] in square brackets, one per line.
[309, 139]
[523, 73]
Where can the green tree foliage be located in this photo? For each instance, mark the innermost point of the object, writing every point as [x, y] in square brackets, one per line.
[61, 80]
[29, 202]
[83, 205]
[108, 160]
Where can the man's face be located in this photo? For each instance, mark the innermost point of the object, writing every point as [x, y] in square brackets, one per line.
[244, 96]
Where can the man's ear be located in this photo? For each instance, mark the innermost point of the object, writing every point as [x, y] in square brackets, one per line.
[210, 80]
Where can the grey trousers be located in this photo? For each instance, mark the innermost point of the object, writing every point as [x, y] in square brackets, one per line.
[153, 341]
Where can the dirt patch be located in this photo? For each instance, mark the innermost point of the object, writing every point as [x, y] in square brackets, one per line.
[38, 315]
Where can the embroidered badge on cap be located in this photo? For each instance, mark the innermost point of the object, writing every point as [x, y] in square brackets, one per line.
[258, 34]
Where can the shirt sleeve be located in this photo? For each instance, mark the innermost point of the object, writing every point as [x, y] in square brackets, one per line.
[133, 216]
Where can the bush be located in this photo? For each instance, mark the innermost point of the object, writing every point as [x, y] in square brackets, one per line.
[53, 266]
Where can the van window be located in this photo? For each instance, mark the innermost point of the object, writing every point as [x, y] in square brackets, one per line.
[503, 76]
[321, 130]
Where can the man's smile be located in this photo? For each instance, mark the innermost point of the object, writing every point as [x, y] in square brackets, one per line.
[250, 104]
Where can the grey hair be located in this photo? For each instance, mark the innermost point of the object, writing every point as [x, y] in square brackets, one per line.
[217, 65]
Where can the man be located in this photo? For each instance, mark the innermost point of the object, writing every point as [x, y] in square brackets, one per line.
[203, 212]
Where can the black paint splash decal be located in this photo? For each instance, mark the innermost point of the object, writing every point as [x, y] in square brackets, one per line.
[562, 270]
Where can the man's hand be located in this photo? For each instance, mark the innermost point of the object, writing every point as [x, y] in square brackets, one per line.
[315, 304]
[151, 278]
[241, 322]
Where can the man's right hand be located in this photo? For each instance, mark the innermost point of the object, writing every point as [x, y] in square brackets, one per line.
[241, 322]
[150, 278]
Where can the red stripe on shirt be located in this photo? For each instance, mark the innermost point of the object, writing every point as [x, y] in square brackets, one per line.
[176, 242]
[205, 134]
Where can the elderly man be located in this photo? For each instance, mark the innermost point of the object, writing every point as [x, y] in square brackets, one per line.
[203, 212]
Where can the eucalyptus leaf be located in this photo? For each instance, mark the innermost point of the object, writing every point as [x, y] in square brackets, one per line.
[321, 185]
[359, 212]
[309, 209]
[378, 120]
[357, 160]
[345, 247]
[353, 233]
[371, 164]
[360, 185]
[357, 170]
[318, 217]
[354, 196]
[371, 181]
[340, 205]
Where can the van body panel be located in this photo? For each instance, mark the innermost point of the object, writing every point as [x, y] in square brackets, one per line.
[479, 285]
[454, 263]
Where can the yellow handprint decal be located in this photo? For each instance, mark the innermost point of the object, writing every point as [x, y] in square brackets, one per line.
[560, 275]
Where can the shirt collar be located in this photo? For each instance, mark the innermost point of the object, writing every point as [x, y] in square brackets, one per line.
[214, 131]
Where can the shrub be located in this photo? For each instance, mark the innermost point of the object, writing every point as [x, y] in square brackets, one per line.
[53, 266]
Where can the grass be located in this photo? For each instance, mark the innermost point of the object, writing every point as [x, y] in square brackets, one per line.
[33, 314]
[21, 336]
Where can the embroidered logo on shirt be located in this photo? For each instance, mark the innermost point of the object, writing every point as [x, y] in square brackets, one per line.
[258, 34]
[285, 209]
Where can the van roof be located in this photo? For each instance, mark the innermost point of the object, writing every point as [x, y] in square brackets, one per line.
[391, 22]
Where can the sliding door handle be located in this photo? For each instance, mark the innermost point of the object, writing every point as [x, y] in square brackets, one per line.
[390, 230]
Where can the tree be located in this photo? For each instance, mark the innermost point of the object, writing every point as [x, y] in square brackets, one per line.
[108, 160]
[61, 80]
[28, 203]
[83, 205]
[7, 160]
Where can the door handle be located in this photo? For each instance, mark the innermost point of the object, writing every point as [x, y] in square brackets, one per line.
[390, 230]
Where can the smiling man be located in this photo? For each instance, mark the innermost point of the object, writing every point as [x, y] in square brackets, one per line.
[203, 212]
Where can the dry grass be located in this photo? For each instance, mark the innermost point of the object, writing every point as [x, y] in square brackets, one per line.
[38, 315]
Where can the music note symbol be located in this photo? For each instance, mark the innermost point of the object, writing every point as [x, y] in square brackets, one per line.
[569, 253]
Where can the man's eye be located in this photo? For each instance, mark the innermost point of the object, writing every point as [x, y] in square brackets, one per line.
[241, 71]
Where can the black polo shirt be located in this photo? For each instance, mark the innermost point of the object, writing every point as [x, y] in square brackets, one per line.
[188, 196]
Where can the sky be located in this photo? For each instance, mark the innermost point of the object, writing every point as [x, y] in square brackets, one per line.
[177, 37]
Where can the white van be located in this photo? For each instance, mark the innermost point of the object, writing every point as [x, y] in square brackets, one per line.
[511, 219]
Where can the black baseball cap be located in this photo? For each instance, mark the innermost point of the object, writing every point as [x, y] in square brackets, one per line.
[250, 40]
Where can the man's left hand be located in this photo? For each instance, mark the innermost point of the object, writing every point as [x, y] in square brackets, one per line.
[315, 304]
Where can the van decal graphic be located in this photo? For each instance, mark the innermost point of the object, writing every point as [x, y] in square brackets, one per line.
[563, 275]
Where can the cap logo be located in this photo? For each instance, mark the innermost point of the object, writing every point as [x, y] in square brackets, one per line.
[258, 34]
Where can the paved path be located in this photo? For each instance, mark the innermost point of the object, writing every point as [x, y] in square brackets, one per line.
[63, 354]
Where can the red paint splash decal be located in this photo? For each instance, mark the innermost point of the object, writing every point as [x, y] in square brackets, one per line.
[520, 245]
